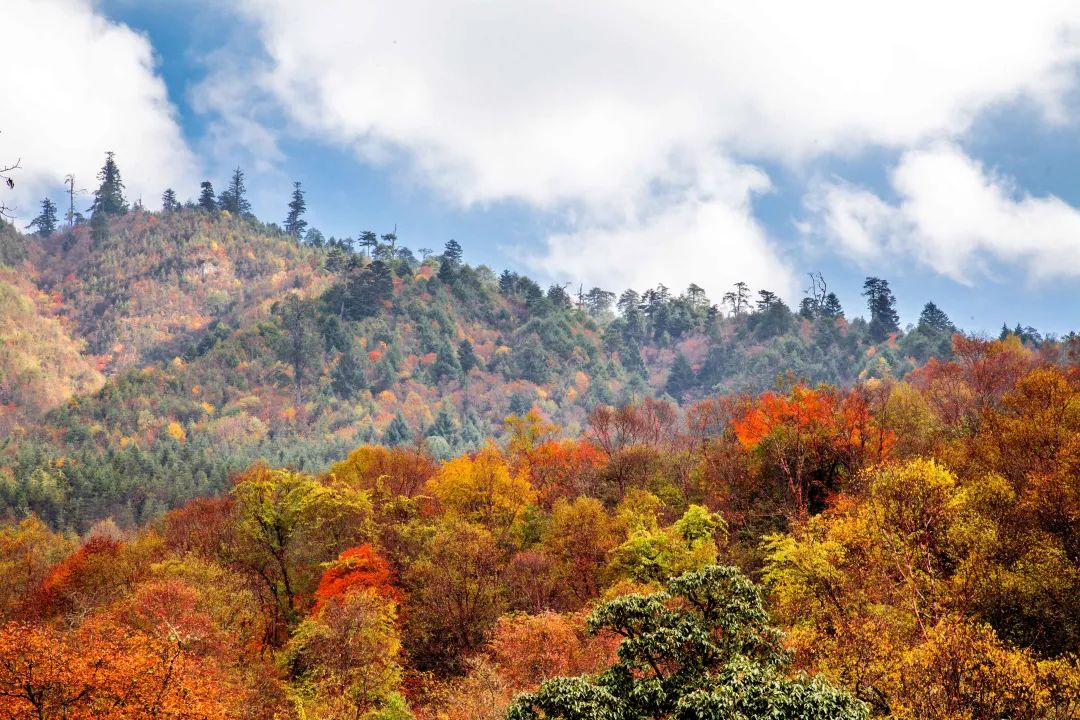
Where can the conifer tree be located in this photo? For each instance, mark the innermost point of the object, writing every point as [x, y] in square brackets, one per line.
[882, 305]
[109, 197]
[207, 200]
[467, 356]
[45, 223]
[169, 203]
[348, 377]
[681, 378]
[234, 198]
[451, 261]
[397, 432]
[295, 222]
[933, 319]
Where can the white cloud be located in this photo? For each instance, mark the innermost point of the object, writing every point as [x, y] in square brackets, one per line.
[591, 106]
[953, 216]
[78, 85]
[704, 233]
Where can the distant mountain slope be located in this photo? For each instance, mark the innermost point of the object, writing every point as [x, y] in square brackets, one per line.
[225, 341]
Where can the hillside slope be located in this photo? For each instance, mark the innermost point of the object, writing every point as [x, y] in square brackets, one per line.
[225, 341]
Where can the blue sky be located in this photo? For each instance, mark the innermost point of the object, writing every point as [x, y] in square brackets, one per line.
[617, 143]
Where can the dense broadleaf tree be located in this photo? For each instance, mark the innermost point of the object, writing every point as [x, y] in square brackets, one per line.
[700, 650]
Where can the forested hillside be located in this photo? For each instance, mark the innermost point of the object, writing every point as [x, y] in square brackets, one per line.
[148, 355]
[903, 549]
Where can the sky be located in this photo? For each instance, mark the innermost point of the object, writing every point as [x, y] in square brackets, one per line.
[617, 143]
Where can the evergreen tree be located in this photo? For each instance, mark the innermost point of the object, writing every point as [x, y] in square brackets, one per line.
[109, 197]
[348, 377]
[397, 432]
[99, 228]
[831, 307]
[169, 203]
[451, 261]
[207, 201]
[314, 238]
[45, 223]
[933, 319]
[299, 345]
[234, 199]
[446, 363]
[295, 222]
[681, 378]
[882, 305]
[467, 356]
[443, 426]
[368, 241]
[367, 291]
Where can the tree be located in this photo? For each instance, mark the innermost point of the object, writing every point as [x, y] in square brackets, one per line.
[45, 222]
[348, 376]
[450, 261]
[467, 356]
[234, 198]
[344, 658]
[368, 241]
[294, 221]
[288, 523]
[933, 319]
[882, 305]
[397, 432]
[109, 197]
[358, 568]
[169, 203]
[207, 200]
[681, 377]
[367, 290]
[300, 345]
[701, 650]
[598, 302]
[446, 363]
[454, 595]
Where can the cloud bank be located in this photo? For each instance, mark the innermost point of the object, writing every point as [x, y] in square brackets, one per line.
[618, 116]
[78, 85]
[952, 216]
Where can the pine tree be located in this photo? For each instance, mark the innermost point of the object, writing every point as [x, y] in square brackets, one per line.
[831, 307]
[397, 432]
[443, 426]
[314, 238]
[295, 222]
[207, 201]
[234, 199]
[300, 344]
[467, 356]
[348, 377]
[451, 261]
[367, 291]
[109, 197]
[933, 319]
[169, 203]
[681, 378]
[882, 305]
[45, 223]
[446, 363]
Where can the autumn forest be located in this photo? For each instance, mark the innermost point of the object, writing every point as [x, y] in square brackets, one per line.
[248, 471]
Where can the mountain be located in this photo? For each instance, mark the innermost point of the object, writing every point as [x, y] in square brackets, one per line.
[159, 352]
